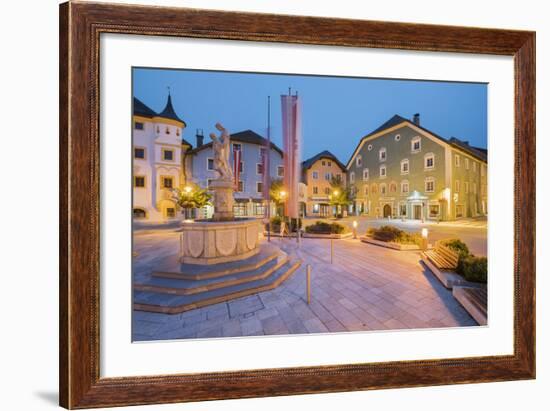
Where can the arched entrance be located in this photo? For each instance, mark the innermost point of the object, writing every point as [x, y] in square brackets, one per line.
[387, 211]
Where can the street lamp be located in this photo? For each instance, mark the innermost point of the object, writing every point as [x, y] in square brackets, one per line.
[354, 229]
[424, 238]
[187, 189]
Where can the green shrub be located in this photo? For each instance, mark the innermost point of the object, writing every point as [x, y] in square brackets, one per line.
[475, 268]
[277, 220]
[391, 234]
[321, 227]
[457, 246]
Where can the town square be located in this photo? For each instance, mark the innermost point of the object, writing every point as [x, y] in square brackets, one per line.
[274, 230]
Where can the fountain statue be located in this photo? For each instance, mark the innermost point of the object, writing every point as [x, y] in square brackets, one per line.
[223, 238]
[223, 186]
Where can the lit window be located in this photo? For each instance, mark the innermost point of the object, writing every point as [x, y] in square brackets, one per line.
[138, 125]
[416, 145]
[382, 154]
[167, 182]
[210, 164]
[358, 161]
[167, 155]
[434, 210]
[365, 174]
[315, 175]
[382, 171]
[315, 208]
[139, 181]
[405, 166]
[139, 152]
[280, 171]
[429, 160]
[429, 185]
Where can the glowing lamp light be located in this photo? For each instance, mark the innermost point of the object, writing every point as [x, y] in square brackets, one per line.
[283, 193]
[354, 223]
[336, 193]
[424, 233]
[188, 221]
[187, 189]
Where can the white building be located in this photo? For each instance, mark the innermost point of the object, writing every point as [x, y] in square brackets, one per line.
[158, 147]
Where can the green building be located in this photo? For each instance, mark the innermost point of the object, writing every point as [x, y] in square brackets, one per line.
[402, 170]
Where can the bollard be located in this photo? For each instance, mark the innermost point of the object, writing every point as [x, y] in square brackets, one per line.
[308, 280]
[331, 250]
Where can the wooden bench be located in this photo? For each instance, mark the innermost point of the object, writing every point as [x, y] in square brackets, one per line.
[474, 300]
[442, 257]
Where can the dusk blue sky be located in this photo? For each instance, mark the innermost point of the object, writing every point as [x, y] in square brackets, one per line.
[336, 111]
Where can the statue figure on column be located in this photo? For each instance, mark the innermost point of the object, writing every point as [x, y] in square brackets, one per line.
[221, 147]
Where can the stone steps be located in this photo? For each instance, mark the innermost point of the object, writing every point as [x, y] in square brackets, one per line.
[162, 302]
[173, 268]
[188, 286]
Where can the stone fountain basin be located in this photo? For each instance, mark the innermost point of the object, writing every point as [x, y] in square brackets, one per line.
[214, 242]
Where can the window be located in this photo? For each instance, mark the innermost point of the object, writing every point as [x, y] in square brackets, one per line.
[170, 212]
[365, 174]
[315, 190]
[404, 187]
[457, 160]
[467, 163]
[459, 210]
[338, 177]
[138, 125]
[382, 171]
[366, 189]
[405, 166]
[329, 163]
[359, 161]
[416, 145]
[315, 175]
[315, 208]
[259, 168]
[382, 154]
[139, 213]
[139, 152]
[158, 129]
[167, 182]
[434, 210]
[466, 187]
[397, 137]
[327, 190]
[327, 176]
[139, 181]
[393, 187]
[352, 177]
[383, 189]
[263, 152]
[457, 186]
[429, 161]
[474, 165]
[259, 187]
[167, 155]
[210, 164]
[237, 147]
[323, 163]
[280, 171]
[240, 187]
[167, 130]
[403, 210]
[369, 147]
[373, 188]
[177, 131]
[429, 185]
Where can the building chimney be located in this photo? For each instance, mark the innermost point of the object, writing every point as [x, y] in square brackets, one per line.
[200, 137]
[416, 119]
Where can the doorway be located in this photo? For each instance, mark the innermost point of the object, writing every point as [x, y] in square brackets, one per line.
[387, 211]
[417, 211]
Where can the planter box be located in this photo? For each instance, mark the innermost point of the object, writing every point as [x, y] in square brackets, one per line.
[394, 246]
[329, 236]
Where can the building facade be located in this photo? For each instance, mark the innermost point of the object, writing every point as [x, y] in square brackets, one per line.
[158, 146]
[402, 170]
[249, 199]
[317, 174]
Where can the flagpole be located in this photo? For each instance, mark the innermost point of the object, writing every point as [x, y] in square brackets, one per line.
[267, 171]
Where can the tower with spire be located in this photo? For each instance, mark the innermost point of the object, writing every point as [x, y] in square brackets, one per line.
[159, 152]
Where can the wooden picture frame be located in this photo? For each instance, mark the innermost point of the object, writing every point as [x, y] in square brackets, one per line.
[80, 27]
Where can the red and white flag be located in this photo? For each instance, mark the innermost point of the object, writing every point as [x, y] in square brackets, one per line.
[292, 135]
[236, 167]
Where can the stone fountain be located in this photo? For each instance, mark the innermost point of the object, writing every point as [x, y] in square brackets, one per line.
[223, 238]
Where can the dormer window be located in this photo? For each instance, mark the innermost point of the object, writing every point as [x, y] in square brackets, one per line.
[382, 154]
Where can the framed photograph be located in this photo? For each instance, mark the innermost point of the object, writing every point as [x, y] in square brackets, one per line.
[259, 205]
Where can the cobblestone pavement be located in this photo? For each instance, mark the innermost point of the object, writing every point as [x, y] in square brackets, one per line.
[366, 288]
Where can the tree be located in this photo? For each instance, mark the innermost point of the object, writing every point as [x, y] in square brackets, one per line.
[341, 196]
[191, 197]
